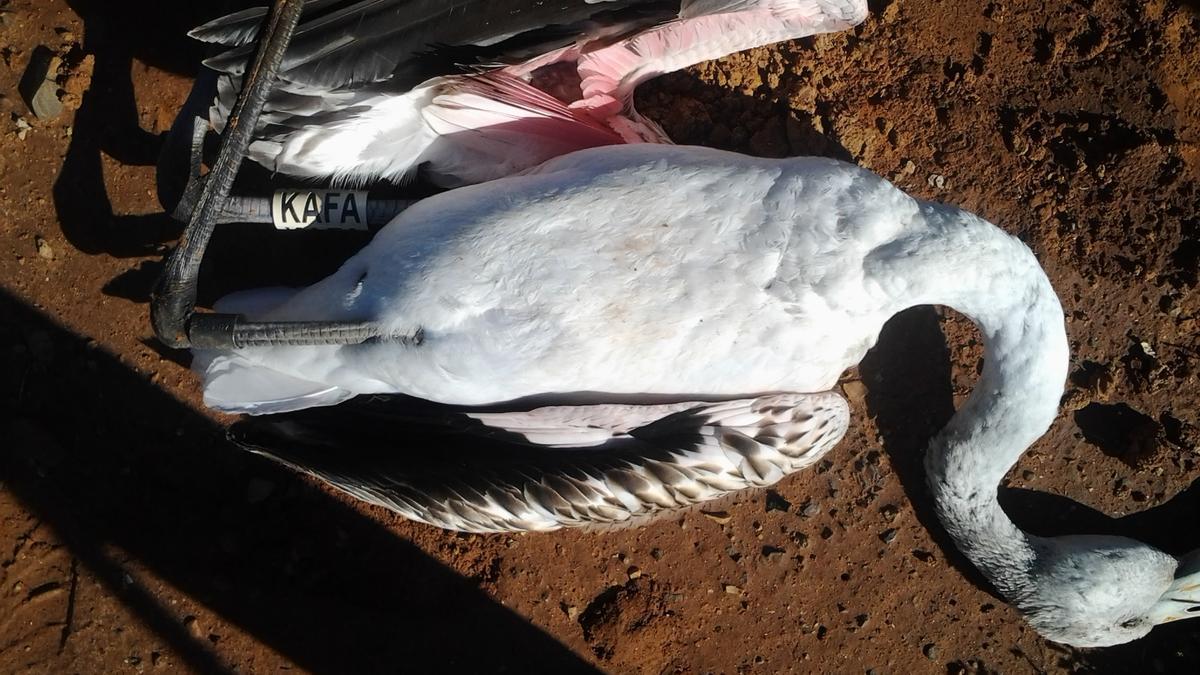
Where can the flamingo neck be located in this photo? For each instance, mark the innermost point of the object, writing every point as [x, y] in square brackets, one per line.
[994, 279]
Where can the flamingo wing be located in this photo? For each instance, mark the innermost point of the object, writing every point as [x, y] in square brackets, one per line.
[656, 459]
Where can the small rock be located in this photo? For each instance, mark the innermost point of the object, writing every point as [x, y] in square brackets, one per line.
[937, 180]
[39, 85]
[43, 248]
[192, 626]
[889, 512]
[721, 517]
[572, 612]
[22, 128]
[633, 572]
[888, 535]
[732, 590]
[855, 391]
[930, 650]
[809, 509]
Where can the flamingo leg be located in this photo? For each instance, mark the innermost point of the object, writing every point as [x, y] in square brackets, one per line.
[172, 309]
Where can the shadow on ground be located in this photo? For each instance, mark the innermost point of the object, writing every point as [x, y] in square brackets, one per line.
[113, 463]
[115, 34]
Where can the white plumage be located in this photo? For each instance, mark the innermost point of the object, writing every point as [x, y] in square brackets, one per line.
[694, 273]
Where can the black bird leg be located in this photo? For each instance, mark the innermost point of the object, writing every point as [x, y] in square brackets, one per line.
[174, 300]
[172, 308]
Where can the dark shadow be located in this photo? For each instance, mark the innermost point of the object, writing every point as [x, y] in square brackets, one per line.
[1119, 431]
[112, 463]
[115, 34]
[909, 394]
[692, 111]
[908, 378]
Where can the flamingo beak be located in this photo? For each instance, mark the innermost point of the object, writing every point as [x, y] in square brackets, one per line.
[1182, 598]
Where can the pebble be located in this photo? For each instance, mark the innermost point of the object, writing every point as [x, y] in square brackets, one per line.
[22, 128]
[39, 84]
[889, 512]
[888, 535]
[937, 180]
[721, 517]
[856, 391]
[43, 248]
[732, 590]
[809, 509]
[930, 650]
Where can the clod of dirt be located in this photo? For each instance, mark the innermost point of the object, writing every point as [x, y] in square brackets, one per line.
[889, 512]
[1096, 378]
[1119, 431]
[619, 612]
[776, 502]
[39, 85]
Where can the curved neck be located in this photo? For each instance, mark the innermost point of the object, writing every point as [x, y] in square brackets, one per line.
[972, 266]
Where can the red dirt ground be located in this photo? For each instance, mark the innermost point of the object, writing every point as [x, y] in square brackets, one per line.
[134, 538]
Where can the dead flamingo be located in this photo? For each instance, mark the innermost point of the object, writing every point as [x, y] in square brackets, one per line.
[714, 281]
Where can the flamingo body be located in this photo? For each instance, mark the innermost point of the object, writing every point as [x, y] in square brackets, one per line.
[630, 270]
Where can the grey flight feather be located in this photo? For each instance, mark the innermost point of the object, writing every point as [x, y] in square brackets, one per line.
[360, 41]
